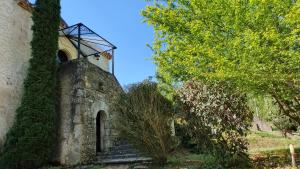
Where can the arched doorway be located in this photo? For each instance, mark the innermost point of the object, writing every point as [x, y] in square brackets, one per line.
[62, 56]
[100, 131]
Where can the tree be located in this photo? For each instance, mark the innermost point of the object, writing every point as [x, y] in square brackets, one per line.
[254, 44]
[284, 124]
[217, 119]
[30, 142]
[144, 118]
[263, 107]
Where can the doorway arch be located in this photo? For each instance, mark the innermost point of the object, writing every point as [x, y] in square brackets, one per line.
[100, 131]
[62, 56]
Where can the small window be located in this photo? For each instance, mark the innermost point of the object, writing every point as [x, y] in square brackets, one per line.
[62, 57]
[100, 86]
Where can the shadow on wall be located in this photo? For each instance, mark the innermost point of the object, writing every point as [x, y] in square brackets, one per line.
[1, 144]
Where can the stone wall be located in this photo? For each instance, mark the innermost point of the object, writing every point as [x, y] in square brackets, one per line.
[86, 90]
[15, 37]
[15, 52]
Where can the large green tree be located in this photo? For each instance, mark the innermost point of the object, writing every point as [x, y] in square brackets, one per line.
[254, 44]
[30, 142]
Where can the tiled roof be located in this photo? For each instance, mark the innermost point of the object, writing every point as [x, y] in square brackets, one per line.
[25, 4]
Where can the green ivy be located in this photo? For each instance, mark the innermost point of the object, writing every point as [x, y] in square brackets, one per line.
[31, 140]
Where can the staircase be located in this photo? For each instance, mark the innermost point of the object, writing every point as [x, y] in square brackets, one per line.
[121, 152]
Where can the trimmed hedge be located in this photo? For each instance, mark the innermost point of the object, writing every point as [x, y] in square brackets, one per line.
[30, 142]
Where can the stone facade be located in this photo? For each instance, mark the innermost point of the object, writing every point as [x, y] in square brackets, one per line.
[86, 90]
[15, 31]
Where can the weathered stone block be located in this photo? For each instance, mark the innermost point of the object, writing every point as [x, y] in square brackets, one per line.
[84, 108]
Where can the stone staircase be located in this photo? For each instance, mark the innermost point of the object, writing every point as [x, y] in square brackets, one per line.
[121, 152]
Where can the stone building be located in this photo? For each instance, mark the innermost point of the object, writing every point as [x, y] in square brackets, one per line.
[86, 131]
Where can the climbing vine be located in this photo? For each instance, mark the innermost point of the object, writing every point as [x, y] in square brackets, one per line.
[31, 140]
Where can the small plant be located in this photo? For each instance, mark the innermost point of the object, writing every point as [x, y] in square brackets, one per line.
[144, 119]
[217, 119]
[96, 167]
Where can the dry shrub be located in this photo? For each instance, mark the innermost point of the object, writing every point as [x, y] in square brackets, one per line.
[143, 118]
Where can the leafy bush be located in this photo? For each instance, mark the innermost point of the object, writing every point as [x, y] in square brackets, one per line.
[31, 141]
[144, 118]
[185, 139]
[284, 123]
[216, 117]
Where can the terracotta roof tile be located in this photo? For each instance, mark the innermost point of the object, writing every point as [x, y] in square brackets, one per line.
[25, 4]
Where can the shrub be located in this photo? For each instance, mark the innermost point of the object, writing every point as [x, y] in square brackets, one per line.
[144, 118]
[284, 123]
[217, 118]
[185, 139]
[31, 140]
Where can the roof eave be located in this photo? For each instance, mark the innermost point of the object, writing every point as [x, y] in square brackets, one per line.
[26, 5]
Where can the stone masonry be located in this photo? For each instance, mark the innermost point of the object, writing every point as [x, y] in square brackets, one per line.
[86, 90]
[15, 51]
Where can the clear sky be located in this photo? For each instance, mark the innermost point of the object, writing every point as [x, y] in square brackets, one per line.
[120, 22]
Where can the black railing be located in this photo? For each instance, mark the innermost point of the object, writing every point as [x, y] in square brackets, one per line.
[89, 43]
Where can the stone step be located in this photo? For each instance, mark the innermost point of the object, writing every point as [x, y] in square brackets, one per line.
[124, 160]
[121, 152]
[118, 143]
[115, 154]
[117, 150]
[124, 146]
[118, 156]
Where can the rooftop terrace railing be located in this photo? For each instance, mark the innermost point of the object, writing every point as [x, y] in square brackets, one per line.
[89, 43]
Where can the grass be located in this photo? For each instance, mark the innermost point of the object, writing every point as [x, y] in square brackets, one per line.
[260, 142]
[181, 158]
[266, 149]
[271, 149]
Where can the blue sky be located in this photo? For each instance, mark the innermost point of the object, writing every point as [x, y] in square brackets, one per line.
[118, 21]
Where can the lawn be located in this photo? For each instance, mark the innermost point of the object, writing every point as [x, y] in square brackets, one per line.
[271, 149]
[260, 142]
[266, 149]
